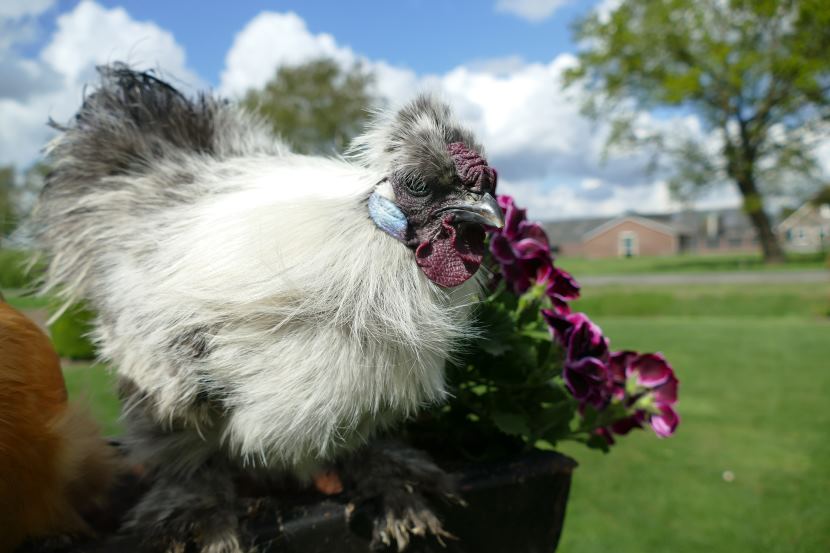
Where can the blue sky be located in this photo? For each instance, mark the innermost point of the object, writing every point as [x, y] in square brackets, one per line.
[427, 36]
[498, 62]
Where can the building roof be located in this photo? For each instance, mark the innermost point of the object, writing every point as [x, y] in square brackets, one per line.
[648, 223]
[692, 223]
[569, 231]
[809, 214]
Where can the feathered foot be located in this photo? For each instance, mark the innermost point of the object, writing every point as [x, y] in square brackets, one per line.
[199, 509]
[393, 483]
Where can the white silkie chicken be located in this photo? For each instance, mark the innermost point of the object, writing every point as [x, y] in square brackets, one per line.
[266, 312]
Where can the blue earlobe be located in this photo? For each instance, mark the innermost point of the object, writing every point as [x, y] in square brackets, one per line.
[387, 216]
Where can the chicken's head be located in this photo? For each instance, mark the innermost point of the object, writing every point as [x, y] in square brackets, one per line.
[438, 192]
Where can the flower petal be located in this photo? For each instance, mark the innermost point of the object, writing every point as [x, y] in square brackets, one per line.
[513, 216]
[501, 249]
[665, 424]
[530, 249]
[586, 380]
[626, 425]
[563, 285]
[586, 339]
[559, 323]
[666, 393]
[650, 369]
[534, 231]
[618, 363]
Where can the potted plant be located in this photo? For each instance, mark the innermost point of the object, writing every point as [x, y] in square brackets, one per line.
[537, 373]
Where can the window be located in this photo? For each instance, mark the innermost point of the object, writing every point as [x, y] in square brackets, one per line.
[628, 244]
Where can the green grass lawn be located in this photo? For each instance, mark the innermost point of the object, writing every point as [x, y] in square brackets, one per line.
[24, 300]
[754, 389]
[754, 364]
[94, 386]
[685, 264]
[707, 300]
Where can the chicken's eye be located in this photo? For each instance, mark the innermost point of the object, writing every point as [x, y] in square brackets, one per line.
[416, 187]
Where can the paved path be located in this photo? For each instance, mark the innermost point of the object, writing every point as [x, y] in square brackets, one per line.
[732, 277]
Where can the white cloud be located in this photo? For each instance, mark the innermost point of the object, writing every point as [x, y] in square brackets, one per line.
[91, 35]
[548, 155]
[270, 40]
[51, 85]
[15, 9]
[530, 10]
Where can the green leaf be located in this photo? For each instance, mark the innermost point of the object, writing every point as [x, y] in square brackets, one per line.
[598, 442]
[511, 423]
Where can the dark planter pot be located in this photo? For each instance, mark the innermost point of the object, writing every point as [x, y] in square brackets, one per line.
[512, 507]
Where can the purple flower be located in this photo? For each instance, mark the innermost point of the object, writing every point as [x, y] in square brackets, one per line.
[522, 250]
[520, 260]
[643, 384]
[585, 339]
[520, 247]
[577, 334]
[650, 387]
[617, 363]
[629, 423]
[560, 288]
[585, 370]
[586, 379]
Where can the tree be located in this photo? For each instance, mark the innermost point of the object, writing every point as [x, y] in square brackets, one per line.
[8, 202]
[17, 198]
[317, 107]
[755, 72]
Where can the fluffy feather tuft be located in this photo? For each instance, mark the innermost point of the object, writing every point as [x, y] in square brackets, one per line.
[242, 291]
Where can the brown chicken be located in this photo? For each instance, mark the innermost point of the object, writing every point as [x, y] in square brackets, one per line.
[54, 466]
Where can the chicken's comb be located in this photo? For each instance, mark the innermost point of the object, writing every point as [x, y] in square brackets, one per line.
[472, 168]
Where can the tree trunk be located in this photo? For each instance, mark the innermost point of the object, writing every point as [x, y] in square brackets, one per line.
[741, 159]
[754, 209]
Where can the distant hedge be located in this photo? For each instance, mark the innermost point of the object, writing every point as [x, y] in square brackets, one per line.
[13, 269]
[69, 333]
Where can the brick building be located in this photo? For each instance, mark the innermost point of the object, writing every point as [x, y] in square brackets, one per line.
[807, 229]
[713, 231]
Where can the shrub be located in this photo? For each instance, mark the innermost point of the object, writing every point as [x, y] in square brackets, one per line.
[13, 272]
[69, 333]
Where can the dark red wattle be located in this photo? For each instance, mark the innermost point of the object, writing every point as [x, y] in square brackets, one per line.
[453, 256]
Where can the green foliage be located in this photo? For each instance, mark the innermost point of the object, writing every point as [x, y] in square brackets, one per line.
[94, 387]
[822, 197]
[26, 300]
[69, 333]
[13, 269]
[755, 72]
[317, 107]
[507, 389]
[16, 198]
[8, 207]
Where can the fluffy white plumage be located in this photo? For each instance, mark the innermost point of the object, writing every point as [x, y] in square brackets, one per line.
[242, 290]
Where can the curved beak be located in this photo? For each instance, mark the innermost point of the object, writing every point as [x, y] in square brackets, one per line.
[484, 211]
